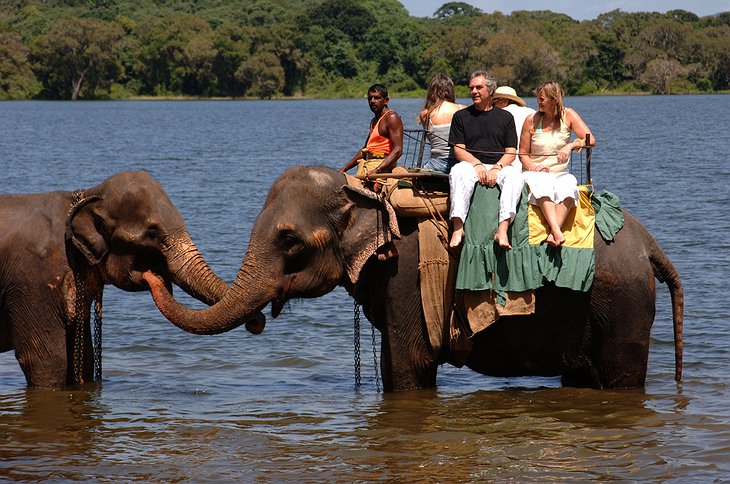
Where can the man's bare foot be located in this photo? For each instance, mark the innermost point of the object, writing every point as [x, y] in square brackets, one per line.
[456, 238]
[502, 239]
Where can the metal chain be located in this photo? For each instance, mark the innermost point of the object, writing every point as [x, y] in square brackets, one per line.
[80, 317]
[375, 360]
[98, 310]
[357, 344]
[77, 322]
[78, 343]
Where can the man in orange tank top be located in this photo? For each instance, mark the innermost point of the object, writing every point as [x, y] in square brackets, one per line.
[384, 143]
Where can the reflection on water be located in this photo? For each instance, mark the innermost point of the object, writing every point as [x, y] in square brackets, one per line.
[43, 427]
[281, 406]
[518, 434]
[511, 434]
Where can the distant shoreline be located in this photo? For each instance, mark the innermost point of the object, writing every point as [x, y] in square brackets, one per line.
[393, 95]
[396, 95]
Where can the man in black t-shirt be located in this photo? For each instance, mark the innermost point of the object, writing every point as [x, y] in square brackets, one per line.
[485, 142]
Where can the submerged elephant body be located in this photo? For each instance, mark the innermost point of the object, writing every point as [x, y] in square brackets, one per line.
[59, 249]
[315, 232]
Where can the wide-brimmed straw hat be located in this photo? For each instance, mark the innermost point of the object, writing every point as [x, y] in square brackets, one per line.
[506, 92]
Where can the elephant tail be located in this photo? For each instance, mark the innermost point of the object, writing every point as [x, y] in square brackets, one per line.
[665, 271]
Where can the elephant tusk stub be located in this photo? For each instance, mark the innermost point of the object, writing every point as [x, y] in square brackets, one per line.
[277, 304]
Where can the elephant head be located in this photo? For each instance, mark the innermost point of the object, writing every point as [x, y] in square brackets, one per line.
[314, 232]
[126, 226]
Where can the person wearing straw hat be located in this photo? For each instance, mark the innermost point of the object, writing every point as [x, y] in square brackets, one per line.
[506, 98]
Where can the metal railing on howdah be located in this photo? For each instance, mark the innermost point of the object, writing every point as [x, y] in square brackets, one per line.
[415, 148]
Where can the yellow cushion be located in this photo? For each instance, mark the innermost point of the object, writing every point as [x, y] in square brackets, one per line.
[578, 228]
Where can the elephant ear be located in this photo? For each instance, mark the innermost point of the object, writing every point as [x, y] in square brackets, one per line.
[369, 225]
[84, 227]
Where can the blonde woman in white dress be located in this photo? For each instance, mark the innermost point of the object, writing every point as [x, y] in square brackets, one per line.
[545, 148]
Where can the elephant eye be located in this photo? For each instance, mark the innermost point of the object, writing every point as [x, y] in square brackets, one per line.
[154, 233]
[290, 242]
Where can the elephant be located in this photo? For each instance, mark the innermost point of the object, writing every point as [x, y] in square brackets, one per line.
[316, 232]
[57, 251]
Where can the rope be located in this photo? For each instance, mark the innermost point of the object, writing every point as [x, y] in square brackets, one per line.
[436, 216]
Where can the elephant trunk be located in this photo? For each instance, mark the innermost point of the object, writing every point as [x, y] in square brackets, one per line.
[191, 272]
[241, 304]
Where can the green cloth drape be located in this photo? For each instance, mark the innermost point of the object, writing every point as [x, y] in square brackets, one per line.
[484, 265]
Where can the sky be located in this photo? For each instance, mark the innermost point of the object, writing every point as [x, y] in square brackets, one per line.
[577, 9]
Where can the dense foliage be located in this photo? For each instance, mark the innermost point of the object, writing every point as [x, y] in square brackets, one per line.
[96, 49]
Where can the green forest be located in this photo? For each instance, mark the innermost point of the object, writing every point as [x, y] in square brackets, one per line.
[123, 49]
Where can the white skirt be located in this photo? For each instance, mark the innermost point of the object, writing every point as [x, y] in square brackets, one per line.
[556, 186]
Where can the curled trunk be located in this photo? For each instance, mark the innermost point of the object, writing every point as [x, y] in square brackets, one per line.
[191, 272]
[241, 304]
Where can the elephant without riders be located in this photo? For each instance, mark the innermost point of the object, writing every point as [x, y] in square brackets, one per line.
[315, 232]
[58, 250]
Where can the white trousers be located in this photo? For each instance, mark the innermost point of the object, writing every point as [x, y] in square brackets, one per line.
[462, 179]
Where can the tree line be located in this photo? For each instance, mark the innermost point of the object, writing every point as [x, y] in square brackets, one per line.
[117, 49]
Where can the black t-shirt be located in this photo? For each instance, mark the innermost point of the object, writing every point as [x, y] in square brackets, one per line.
[485, 134]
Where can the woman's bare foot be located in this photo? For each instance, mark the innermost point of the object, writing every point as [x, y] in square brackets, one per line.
[502, 239]
[556, 239]
[456, 238]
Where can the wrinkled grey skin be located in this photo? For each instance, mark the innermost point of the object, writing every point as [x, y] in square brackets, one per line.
[311, 232]
[53, 252]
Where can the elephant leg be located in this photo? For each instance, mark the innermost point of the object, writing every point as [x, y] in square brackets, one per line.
[623, 359]
[40, 349]
[45, 341]
[620, 337]
[394, 288]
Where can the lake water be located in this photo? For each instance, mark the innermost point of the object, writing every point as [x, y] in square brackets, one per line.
[281, 406]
